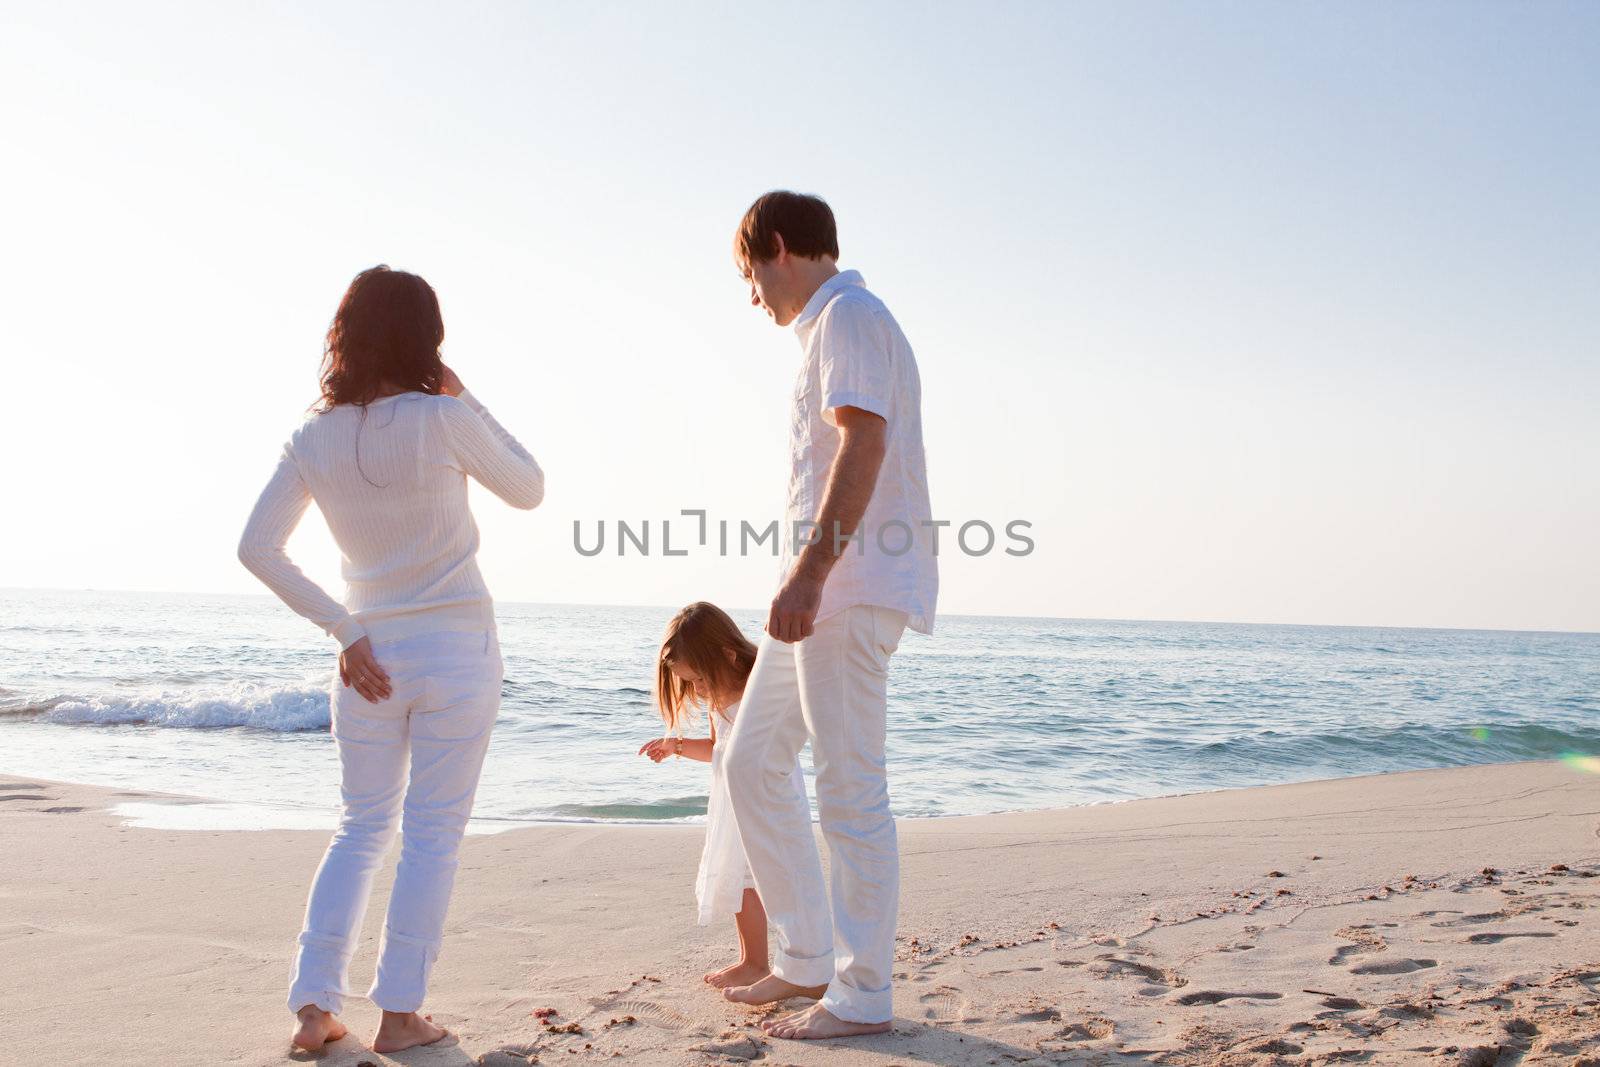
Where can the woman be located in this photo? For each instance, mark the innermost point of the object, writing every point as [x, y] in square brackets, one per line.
[385, 455]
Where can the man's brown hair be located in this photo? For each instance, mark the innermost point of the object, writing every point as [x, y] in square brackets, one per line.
[806, 223]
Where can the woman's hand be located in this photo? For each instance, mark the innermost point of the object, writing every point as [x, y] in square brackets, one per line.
[359, 667]
[659, 749]
[450, 384]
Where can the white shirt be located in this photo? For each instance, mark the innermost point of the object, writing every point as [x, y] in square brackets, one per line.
[391, 480]
[856, 356]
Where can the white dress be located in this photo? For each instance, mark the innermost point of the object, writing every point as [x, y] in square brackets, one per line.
[724, 869]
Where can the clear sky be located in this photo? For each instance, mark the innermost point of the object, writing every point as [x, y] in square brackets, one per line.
[1258, 312]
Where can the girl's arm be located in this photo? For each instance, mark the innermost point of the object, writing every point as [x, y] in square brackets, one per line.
[695, 748]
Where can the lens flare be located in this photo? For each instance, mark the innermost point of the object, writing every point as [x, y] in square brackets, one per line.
[1480, 733]
[1578, 761]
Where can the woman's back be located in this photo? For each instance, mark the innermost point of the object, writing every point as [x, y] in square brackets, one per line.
[386, 458]
[390, 478]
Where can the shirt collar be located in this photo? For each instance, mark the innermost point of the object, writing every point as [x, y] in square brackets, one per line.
[819, 299]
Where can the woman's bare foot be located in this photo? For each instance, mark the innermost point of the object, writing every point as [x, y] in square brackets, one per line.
[406, 1029]
[770, 990]
[817, 1023]
[316, 1028]
[740, 973]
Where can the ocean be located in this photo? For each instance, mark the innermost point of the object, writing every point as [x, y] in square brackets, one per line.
[225, 697]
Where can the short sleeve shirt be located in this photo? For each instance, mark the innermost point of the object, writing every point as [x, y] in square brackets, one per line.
[855, 355]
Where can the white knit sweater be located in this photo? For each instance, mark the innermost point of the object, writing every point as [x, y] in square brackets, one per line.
[399, 515]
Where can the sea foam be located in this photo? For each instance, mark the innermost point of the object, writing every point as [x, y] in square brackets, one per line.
[280, 710]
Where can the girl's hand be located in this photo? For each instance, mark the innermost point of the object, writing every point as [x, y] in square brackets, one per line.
[450, 384]
[659, 749]
[359, 667]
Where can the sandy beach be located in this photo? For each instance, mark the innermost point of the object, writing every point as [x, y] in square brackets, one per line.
[1448, 916]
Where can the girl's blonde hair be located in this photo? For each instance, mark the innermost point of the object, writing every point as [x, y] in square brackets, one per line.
[699, 638]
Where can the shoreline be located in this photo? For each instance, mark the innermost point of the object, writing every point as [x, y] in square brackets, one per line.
[155, 798]
[1177, 930]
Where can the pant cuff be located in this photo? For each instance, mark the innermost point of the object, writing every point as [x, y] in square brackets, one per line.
[331, 1003]
[318, 979]
[404, 965]
[858, 1005]
[798, 970]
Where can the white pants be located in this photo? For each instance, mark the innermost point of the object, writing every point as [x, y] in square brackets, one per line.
[444, 698]
[833, 686]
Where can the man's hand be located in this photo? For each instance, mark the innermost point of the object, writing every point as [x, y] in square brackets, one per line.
[359, 667]
[794, 609]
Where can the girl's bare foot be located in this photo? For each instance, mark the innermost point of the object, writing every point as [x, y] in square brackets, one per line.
[817, 1023]
[770, 990]
[740, 973]
[315, 1028]
[406, 1029]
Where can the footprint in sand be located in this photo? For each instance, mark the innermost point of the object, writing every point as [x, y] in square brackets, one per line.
[1277, 1046]
[63, 810]
[1113, 941]
[1116, 967]
[646, 1012]
[1543, 902]
[1472, 920]
[739, 1048]
[1209, 997]
[946, 1005]
[1095, 1028]
[1364, 941]
[1589, 979]
[1394, 967]
[25, 796]
[1042, 1015]
[510, 1056]
[1495, 938]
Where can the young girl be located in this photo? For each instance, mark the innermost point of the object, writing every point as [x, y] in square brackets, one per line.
[704, 662]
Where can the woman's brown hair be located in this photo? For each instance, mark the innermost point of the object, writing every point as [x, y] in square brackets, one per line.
[385, 336]
[700, 638]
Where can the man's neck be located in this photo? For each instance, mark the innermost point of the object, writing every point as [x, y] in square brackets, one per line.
[813, 275]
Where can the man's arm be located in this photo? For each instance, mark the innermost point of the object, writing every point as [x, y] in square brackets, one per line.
[851, 479]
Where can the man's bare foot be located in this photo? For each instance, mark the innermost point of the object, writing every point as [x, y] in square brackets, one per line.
[817, 1023]
[740, 973]
[770, 990]
[406, 1029]
[315, 1028]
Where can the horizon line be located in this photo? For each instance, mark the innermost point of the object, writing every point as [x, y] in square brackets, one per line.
[954, 615]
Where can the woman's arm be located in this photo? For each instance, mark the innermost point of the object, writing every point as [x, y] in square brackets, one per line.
[695, 748]
[489, 453]
[261, 550]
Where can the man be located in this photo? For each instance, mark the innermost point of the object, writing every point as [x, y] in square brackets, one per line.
[858, 568]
